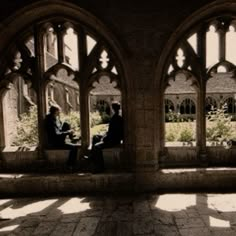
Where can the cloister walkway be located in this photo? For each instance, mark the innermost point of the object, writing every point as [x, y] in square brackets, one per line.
[124, 215]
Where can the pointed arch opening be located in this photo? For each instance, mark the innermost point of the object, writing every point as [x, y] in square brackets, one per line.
[59, 55]
[203, 44]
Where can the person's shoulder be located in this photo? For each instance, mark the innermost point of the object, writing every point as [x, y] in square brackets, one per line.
[48, 118]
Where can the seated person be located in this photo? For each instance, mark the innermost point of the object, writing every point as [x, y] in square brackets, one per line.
[230, 143]
[56, 135]
[113, 137]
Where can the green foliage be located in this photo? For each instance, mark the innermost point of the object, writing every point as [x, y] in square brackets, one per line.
[73, 118]
[27, 126]
[219, 125]
[105, 118]
[99, 129]
[95, 118]
[170, 137]
[27, 129]
[186, 135]
[173, 116]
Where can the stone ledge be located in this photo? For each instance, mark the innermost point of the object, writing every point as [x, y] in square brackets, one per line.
[164, 180]
[63, 184]
[197, 179]
[28, 160]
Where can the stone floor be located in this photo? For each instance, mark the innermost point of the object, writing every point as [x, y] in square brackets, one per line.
[149, 215]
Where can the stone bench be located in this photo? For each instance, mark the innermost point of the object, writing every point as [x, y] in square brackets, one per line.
[112, 157]
[56, 157]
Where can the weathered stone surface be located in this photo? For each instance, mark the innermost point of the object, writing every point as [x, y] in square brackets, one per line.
[146, 215]
[63, 229]
[86, 226]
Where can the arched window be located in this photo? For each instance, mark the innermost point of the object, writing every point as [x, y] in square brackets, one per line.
[187, 107]
[179, 86]
[210, 104]
[56, 61]
[230, 105]
[206, 55]
[103, 107]
[169, 106]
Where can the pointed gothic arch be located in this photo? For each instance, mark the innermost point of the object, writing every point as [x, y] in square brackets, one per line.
[220, 14]
[61, 15]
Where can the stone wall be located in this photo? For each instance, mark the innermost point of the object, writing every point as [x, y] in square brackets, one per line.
[11, 116]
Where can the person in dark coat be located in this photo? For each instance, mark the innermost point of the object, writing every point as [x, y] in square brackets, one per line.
[56, 135]
[113, 137]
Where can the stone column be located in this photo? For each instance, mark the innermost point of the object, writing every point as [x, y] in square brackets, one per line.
[222, 31]
[84, 117]
[2, 121]
[201, 97]
[39, 86]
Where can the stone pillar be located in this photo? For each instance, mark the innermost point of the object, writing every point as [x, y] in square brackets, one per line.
[201, 97]
[84, 117]
[39, 85]
[83, 94]
[222, 44]
[146, 156]
[2, 121]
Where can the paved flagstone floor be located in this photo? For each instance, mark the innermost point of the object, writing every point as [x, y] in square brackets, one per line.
[149, 215]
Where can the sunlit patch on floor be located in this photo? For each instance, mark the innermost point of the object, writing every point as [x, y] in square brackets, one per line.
[74, 205]
[218, 223]
[176, 202]
[227, 205]
[13, 212]
[9, 228]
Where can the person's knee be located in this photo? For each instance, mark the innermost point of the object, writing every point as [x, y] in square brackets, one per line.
[66, 126]
[98, 146]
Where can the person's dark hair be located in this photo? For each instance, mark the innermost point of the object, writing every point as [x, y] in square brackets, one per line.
[53, 109]
[115, 106]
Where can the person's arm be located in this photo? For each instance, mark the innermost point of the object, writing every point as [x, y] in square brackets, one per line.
[58, 129]
[59, 132]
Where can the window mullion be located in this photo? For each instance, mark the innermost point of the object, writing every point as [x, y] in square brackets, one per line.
[201, 45]
[222, 45]
[82, 47]
[39, 84]
[61, 50]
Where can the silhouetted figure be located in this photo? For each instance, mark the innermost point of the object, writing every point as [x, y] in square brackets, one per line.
[56, 135]
[112, 138]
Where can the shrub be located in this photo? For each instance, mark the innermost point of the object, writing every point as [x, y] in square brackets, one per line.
[27, 128]
[172, 116]
[170, 137]
[73, 118]
[95, 118]
[186, 135]
[219, 125]
[105, 118]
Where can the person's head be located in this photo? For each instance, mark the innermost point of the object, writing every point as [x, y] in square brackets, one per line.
[115, 106]
[54, 110]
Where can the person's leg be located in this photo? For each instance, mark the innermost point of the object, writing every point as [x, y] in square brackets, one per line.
[96, 139]
[98, 155]
[72, 158]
